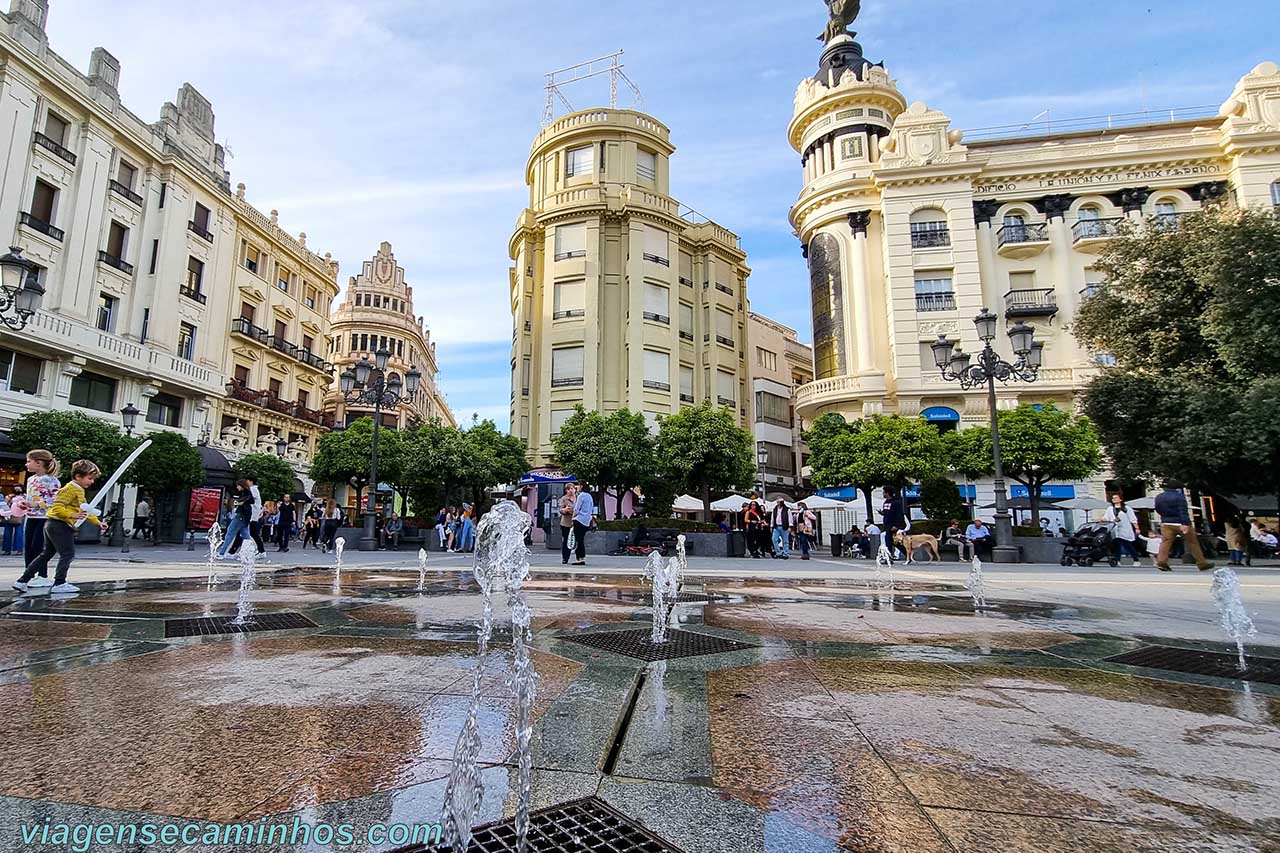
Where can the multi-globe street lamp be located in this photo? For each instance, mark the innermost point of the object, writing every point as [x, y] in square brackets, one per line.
[956, 366]
[129, 417]
[20, 289]
[367, 384]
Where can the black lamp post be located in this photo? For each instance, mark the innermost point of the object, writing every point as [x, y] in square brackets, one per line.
[282, 445]
[956, 367]
[367, 384]
[129, 416]
[20, 290]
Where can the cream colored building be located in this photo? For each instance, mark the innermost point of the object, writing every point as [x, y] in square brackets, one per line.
[377, 312]
[277, 336]
[911, 227]
[779, 364]
[620, 297]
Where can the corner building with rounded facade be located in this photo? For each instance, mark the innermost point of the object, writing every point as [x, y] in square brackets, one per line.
[911, 229]
[620, 297]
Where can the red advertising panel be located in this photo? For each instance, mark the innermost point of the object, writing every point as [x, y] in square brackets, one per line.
[205, 505]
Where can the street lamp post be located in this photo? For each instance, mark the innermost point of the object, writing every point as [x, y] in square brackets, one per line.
[956, 367]
[20, 289]
[367, 384]
[129, 415]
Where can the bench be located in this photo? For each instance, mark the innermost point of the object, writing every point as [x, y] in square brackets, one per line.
[642, 541]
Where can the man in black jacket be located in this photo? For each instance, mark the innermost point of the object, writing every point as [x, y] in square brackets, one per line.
[284, 525]
[1175, 519]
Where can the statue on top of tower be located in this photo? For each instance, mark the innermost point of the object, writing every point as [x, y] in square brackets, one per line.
[843, 13]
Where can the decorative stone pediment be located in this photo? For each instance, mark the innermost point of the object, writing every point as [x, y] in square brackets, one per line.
[283, 311]
[311, 327]
[922, 137]
[252, 294]
[246, 353]
[234, 436]
[1254, 105]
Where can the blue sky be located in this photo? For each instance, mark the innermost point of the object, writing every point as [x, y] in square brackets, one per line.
[410, 120]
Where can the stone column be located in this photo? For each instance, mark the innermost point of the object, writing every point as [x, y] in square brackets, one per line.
[860, 288]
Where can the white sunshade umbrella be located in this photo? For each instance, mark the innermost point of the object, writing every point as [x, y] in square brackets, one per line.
[687, 503]
[1142, 503]
[733, 503]
[1085, 503]
[817, 502]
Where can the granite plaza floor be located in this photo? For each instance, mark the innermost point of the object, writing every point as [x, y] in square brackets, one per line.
[849, 717]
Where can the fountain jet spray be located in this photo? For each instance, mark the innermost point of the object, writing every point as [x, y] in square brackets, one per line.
[1235, 619]
[422, 569]
[339, 544]
[248, 580]
[501, 559]
[215, 542]
[975, 584]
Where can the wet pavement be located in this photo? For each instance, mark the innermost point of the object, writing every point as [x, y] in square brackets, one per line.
[853, 718]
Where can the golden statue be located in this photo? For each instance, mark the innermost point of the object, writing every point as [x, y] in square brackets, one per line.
[843, 13]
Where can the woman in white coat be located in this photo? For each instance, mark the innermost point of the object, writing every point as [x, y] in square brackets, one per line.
[1124, 528]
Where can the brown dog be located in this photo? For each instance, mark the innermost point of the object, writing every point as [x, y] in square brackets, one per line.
[911, 541]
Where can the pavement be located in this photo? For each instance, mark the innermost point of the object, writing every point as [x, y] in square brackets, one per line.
[816, 706]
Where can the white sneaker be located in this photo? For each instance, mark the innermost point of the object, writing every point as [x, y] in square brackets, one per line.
[21, 585]
[65, 587]
[39, 581]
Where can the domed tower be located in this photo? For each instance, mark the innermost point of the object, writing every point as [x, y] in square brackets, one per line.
[844, 115]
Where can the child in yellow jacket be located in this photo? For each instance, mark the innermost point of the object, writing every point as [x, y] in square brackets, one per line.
[60, 531]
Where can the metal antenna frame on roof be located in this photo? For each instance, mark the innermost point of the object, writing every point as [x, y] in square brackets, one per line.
[583, 71]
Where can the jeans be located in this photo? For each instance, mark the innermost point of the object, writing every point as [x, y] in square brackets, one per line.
[33, 542]
[13, 537]
[580, 534]
[804, 544]
[1169, 533]
[1119, 547]
[235, 530]
[564, 544]
[60, 539]
[781, 542]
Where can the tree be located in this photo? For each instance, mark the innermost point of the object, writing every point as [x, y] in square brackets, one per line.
[1041, 444]
[273, 476]
[702, 448]
[613, 451]
[831, 454]
[490, 458]
[170, 465]
[889, 450]
[433, 463]
[70, 436]
[968, 452]
[940, 499]
[342, 456]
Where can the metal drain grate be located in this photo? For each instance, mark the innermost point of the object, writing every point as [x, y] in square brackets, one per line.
[583, 826]
[211, 625]
[1216, 664]
[636, 644]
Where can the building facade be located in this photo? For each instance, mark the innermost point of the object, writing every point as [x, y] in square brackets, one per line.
[275, 337]
[910, 229]
[620, 297]
[377, 312]
[779, 364]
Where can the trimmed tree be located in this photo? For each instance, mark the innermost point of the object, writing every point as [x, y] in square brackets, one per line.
[433, 463]
[889, 450]
[703, 449]
[614, 452]
[940, 499]
[70, 436]
[165, 470]
[273, 476]
[342, 456]
[1040, 445]
[490, 458]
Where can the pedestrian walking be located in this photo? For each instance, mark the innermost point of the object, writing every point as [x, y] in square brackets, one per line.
[804, 523]
[584, 508]
[566, 521]
[60, 530]
[757, 539]
[311, 527]
[255, 517]
[286, 516]
[467, 528]
[15, 522]
[780, 523]
[1124, 528]
[141, 517]
[1237, 539]
[1175, 518]
[43, 486]
[894, 514]
[332, 521]
[241, 512]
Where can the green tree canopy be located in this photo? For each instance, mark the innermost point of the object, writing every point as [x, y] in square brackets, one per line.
[490, 458]
[873, 452]
[703, 449]
[968, 452]
[70, 436]
[612, 452]
[342, 456]
[170, 465]
[273, 476]
[940, 499]
[433, 464]
[1040, 445]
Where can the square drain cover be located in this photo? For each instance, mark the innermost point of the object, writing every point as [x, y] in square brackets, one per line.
[636, 644]
[583, 826]
[1194, 662]
[209, 625]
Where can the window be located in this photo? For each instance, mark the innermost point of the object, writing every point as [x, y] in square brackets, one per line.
[686, 321]
[656, 247]
[779, 459]
[117, 240]
[929, 229]
[726, 387]
[1022, 281]
[44, 202]
[276, 387]
[201, 218]
[935, 294]
[686, 269]
[126, 174]
[247, 311]
[580, 161]
[55, 127]
[195, 274]
[657, 370]
[569, 298]
[1275, 194]
[773, 409]
[312, 296]
[283, 277]
[164, 191]
[571, 241]
[524, 376]
[187, 341]
[155, 257]
[657, 303]
[307, 343]
[558, 417]
[146, 324]
[106, 312]
[768, 359]
[851, 148]
[165, 410]
[686, 384]
[646, 165]
[281, 331]
[566, 366]
[19, 372]
[252, 257]
[1166, 208]
[242, 375]
[724, 327]
[304, 399]
[93, 391]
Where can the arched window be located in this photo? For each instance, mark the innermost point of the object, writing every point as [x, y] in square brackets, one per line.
[827, 300]
[1166, 213]
[929, 229]
[1089, 222]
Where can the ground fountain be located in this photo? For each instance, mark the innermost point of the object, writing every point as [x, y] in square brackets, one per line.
[884, 561]
[248, 580]
[664, 575]
[501, 560]
[1235, 619]
[975, 584]
[339, 545]
[422, 569]
[215, 542]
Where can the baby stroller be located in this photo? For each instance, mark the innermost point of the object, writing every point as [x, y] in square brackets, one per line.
[1089, 544]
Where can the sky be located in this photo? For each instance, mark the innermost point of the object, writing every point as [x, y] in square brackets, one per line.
[410, 121]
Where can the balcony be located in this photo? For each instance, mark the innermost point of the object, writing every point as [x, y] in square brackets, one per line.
[723, 341]
[931, 238]
[656, 386]
[314, 416]
[687, 336]
[657, 318]
[244, 326]
[564, 315]
[1041, 302]
[1167, 221]
[687, 282]
[40, 225]
[243, 393]
[1090, 290]
[724, 288]
[565, 256]
[198, 231]
[1023, 240]
[1090, 235]
[124, 192]
[113, 261]
[935, 302]
[726, 401]
[686, 398]
[571, 382]
[193, 294]
[48, 144]
[657, 260]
